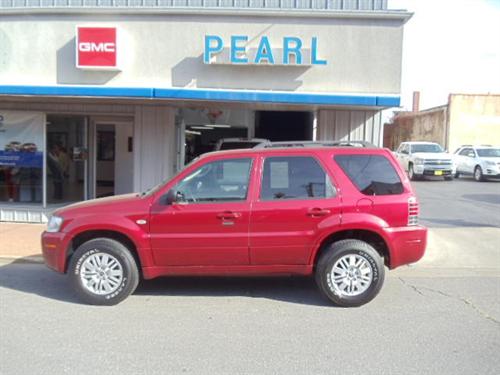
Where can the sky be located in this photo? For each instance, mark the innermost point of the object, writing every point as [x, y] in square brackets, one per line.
[450, 46]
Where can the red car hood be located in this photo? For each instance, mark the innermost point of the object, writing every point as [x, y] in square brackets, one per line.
[101, 204]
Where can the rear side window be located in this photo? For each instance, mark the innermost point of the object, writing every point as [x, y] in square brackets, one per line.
[295, 177]
[371, 174]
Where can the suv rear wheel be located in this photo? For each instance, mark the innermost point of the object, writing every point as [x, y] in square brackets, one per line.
[103, 272]
[350, 273]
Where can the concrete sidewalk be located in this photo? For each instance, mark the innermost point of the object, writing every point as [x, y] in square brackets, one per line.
[18, 240]
[451, 248]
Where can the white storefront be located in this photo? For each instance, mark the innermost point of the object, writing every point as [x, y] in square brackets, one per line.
[122, 97]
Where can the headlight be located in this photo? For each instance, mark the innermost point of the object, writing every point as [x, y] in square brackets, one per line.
[54, 224]
[419, 161]
[490, 163]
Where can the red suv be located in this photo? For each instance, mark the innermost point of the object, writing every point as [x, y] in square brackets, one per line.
[338, 213]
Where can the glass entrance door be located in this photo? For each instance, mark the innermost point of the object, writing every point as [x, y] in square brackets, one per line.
[66, 160]
[111, 155]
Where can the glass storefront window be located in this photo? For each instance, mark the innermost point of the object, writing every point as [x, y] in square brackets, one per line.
[21, 156]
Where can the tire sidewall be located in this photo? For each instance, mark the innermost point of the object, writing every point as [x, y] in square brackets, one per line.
[325, 271]
[121, 254]
[411, 172]
[478, 174]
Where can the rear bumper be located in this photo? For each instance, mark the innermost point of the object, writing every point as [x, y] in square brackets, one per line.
[406, 244]
[54, 247]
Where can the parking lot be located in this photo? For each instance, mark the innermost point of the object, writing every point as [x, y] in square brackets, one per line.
[440, 316]
[461, 202]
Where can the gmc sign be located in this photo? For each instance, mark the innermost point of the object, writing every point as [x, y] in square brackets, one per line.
[96, 48]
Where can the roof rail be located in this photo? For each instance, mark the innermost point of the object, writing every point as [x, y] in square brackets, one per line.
[315, 144]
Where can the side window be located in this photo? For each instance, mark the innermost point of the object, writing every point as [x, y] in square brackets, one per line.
[404, 149]
[465, 152]
[371, 174]
[217, 181]
[294, 177]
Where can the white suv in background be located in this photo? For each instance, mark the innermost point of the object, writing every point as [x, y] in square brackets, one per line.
[479, 161]
[421, 159]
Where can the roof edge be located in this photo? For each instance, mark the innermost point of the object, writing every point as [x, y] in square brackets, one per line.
[401, 15]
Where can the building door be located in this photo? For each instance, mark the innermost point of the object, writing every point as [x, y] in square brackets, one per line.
[111, 155]
[66, 160]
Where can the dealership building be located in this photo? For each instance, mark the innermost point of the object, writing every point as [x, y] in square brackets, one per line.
[105, 97]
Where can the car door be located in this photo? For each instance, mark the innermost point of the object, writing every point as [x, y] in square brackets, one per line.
[203, 220]
[462, 157]
[402, 155]
[470, 160]
[458, 159]
[295, 204]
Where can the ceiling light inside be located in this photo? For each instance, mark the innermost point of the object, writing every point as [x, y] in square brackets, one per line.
[201, 128]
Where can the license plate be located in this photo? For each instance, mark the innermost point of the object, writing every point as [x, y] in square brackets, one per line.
[438, 173]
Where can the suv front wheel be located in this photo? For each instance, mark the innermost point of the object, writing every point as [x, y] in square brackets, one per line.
[350, 273]
[103, 272]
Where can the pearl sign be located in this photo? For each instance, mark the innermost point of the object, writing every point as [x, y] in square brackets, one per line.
[290, 51]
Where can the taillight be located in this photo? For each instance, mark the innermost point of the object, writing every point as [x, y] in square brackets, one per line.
[412, 211]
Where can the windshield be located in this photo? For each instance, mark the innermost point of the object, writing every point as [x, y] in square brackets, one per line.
[426, 147]
[155, 188]
[488, 152]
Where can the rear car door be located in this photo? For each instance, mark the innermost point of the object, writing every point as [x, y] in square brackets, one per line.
[208, 223]
[296, 202]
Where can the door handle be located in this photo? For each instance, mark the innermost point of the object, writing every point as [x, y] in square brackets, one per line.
[316, 212]
[228, 215]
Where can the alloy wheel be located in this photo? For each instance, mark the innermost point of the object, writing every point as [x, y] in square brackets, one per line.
[101, 273]
[351, 275]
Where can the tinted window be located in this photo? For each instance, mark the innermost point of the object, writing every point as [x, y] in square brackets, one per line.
[222, 180]
[489, 152]
[372, 174]
[294, 178]
[466, 151]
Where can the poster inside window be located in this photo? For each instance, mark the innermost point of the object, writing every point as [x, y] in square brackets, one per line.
[21, 156]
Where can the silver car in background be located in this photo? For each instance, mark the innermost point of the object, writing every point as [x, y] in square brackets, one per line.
[482, 162]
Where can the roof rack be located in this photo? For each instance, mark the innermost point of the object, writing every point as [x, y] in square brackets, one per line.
[316, 144]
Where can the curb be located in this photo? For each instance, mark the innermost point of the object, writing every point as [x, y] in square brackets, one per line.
[21, 259]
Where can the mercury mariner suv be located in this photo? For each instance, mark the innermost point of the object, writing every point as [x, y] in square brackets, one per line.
[339, 213]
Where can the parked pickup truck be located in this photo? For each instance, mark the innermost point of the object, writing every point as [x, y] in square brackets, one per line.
[421, 159]
[340, 214]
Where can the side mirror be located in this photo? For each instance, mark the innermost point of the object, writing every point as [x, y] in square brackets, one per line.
[471, 155]
[169, 198]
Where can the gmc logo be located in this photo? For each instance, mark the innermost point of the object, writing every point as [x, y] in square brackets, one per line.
[96, 47]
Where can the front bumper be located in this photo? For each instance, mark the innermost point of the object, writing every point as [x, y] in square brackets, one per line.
[425, 170]
[406, 244]
[54, 247]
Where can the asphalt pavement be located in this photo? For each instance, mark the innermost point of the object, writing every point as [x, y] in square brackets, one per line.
[439, 316]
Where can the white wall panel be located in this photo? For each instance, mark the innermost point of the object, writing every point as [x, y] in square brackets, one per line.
[346, 125]
[154, 145]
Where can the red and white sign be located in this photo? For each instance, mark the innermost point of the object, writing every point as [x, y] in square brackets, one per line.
[97, 48]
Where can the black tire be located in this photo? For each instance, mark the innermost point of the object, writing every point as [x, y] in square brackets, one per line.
[448, 178]
[127, 268]
[334, 253]
[457, 174]
[478, 174]
[411, 173]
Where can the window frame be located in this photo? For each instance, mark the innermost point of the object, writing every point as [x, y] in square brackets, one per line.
[247, 197]
[317, 160]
